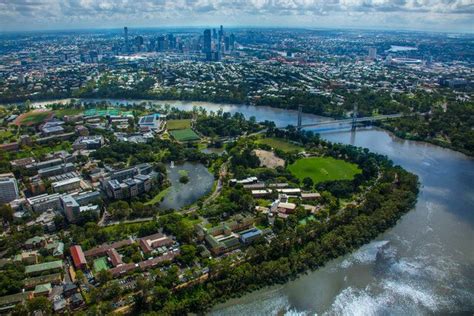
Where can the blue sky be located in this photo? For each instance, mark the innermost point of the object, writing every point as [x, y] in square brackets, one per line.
[428, 15]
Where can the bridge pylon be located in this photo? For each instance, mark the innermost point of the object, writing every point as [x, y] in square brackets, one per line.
[354, 117]
[300, 117]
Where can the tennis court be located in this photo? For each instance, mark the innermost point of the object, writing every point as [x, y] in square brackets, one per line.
[100, 264]
[184, 135]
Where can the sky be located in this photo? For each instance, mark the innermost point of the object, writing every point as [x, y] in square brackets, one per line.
[423, 15]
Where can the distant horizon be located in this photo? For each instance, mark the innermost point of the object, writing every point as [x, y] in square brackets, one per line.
[236, 27]
[454, 16]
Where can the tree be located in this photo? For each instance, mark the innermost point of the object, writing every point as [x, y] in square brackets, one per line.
[20, 310]
[119, 209]
[80, 277]
[160, 296]
[184, 179]
[188, 254]
[104, 276]
[308, 183]
[39, 303]
[6, 212]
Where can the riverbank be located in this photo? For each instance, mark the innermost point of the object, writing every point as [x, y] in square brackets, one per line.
[385, 125]
[417, 267]
[298, 252]
[403, 134]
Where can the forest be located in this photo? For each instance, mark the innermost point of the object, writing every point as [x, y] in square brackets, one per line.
[450, 127]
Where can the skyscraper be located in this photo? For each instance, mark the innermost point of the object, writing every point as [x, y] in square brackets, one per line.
[171, 41]
[227, 43]
[221, 44]
[221, 33]
[161, 43]
[125, 31]
[232, 41]
[8, 188]
[372, 52]
[139, 42]
[207, 47]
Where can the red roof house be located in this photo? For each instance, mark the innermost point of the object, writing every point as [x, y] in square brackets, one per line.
[78, 257]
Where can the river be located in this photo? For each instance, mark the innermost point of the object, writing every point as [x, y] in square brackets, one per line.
[423, 265]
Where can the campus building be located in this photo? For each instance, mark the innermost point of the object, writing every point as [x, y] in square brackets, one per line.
[44, 202]
[88, 142]
[8, 188]
[78, 257]
[153, 122]
[66, 185]
[128, 183]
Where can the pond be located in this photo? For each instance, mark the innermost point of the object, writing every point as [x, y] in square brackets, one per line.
[182, 194]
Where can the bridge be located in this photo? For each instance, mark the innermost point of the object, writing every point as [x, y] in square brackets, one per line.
[350, 121]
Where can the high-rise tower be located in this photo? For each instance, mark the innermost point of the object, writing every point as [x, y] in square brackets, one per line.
[127, 47]
[207, 47]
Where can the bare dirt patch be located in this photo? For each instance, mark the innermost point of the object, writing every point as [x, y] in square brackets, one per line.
[269, 159]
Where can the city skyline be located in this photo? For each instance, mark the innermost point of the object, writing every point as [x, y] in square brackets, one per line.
[437, 16]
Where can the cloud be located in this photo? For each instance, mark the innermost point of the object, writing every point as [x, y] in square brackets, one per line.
[93, 13]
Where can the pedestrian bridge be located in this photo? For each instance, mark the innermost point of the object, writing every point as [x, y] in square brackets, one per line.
[350, 121]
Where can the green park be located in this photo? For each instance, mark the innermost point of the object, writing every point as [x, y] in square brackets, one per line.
[321, 169]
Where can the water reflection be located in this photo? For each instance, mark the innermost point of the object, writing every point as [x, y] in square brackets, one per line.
[183, 194]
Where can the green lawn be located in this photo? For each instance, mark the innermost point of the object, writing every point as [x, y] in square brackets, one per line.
[184, 135]
[33, 118]
[100, 264]
[279, 143]
[158, 197]
[63, 112]
[5, 135]
[178, 124]
[321, 169]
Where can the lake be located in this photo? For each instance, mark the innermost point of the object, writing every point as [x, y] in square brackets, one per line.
[182, 194]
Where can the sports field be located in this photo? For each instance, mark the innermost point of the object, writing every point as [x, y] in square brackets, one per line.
[178, 124]
[105, 112]
[100, 264]
[281, 144]
[184, 135]
[33, 117]
[321, 169]
[70, 111]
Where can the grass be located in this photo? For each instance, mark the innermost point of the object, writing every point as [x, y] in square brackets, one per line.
[280, 144]
[33, 118]
[64, 112]
[307, 219]
[5, 135]
[184, 135]
[183, 173]
[158, 197]
[321, 169]
[178, 124]
[100, 264]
